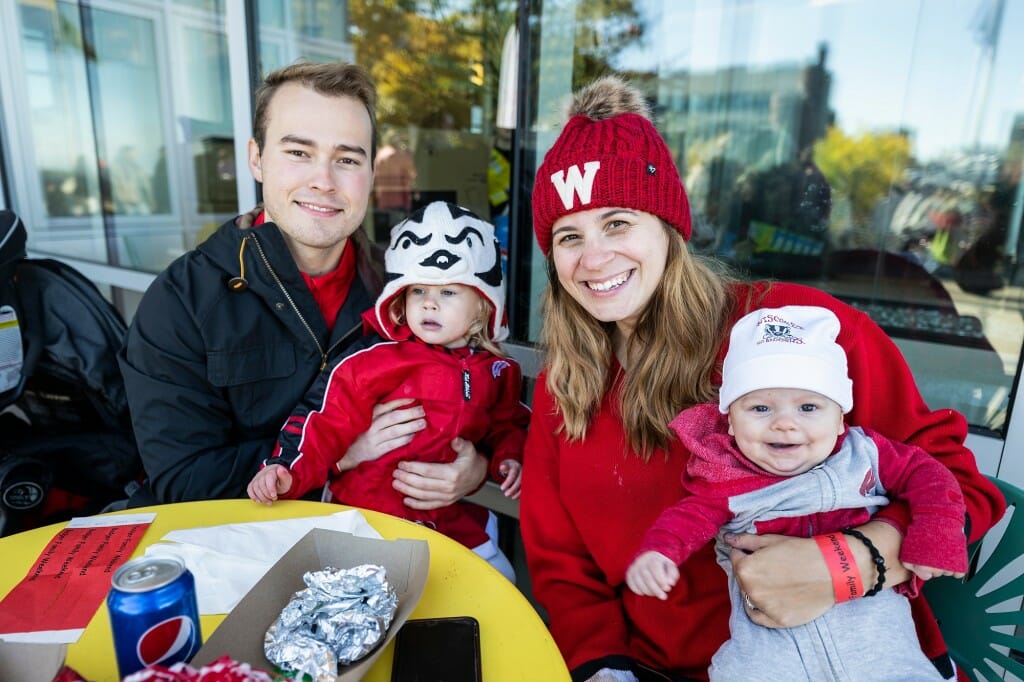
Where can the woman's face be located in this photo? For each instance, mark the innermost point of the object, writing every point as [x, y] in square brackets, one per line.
[610, 260]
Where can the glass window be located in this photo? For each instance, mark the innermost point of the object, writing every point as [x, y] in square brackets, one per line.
[63, 147]
[870, 148]
[131, 129]
[205, 119]
[128, 104]
[436, 65]
[127, 109]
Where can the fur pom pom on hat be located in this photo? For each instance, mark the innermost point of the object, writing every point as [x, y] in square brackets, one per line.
[608, 155]
[789, 347]
[445, 244]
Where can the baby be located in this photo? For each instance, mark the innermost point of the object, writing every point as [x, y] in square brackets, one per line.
[774, 456]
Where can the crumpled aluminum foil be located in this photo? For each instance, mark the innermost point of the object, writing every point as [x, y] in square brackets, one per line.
[339, 618]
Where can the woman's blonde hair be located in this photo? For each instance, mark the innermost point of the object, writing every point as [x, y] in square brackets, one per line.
[479, 335]
[672, 352]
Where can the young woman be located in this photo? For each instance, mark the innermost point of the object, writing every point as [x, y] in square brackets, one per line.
[634, 330]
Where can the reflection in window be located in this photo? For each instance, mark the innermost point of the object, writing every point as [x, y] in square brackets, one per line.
[436, 68]
[128, 109]
[808, 158]
[130, 115]
[205, 121]
[57, 100]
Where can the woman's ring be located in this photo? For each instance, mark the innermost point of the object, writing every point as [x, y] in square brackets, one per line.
[749, 604]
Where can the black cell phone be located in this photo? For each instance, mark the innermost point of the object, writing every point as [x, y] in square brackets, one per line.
[438, 650]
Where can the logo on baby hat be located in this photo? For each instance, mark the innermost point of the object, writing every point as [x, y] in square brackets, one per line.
[778, 331]
[497, 367]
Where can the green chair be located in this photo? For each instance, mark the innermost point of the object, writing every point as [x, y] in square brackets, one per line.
[970, 610]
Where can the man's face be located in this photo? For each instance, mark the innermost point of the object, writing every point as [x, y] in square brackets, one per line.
[316, 173]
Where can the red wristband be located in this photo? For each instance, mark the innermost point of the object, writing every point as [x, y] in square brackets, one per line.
[846, 580]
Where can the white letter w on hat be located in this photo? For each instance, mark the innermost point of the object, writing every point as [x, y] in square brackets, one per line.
[571, 182]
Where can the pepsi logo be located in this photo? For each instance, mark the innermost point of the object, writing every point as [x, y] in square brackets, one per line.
[168, 641]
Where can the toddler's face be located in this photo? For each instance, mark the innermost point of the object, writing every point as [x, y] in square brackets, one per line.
[785, 431]
[442, 314]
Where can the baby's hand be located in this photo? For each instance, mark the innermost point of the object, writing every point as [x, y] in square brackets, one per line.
[512, 473]
[268, 483]
[652, 574]
[929, 572]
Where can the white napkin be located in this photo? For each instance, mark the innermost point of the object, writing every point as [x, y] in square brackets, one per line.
[228, 560]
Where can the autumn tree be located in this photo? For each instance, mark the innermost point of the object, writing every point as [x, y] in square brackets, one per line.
[431, 59]
[862, 168]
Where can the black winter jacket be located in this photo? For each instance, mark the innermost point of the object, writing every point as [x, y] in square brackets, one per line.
[212, 372]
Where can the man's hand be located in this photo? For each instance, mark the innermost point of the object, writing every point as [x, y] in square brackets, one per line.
[432, 486]
[269, 483]
[394, 425]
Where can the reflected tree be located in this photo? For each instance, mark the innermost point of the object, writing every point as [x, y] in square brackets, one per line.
[432, 61]
[604, 29]
[862, 169]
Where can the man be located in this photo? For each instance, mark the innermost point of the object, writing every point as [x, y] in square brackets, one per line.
[229, 337]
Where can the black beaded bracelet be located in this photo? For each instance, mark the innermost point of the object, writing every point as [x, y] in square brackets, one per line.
[876, 557]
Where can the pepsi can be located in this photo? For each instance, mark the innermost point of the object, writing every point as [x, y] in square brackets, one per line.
[153, 614]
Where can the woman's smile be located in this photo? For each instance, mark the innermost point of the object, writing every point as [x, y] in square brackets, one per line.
[610, 283]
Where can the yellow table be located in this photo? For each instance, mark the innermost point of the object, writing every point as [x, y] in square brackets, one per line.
[514, 642]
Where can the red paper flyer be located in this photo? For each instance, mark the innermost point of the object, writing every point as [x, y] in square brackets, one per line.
[70, 579]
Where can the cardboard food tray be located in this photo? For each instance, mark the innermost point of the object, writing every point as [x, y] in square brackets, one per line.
[31, 662]
[241, 633]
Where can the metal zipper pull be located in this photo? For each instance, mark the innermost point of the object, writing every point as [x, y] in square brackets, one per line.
[466, 391]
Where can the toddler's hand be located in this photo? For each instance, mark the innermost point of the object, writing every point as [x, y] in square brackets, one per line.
[268, 483]
[512, 475]
[652, 574]
[929, 572]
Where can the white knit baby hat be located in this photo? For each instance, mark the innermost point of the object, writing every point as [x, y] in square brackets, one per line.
[789, 347]
[446, 244]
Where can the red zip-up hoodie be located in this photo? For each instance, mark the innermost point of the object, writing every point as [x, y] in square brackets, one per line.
[465, 393]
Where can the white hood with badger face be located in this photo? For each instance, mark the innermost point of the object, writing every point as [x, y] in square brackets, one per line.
[444, 244]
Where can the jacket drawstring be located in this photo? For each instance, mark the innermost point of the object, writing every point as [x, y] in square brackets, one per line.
[240, 283]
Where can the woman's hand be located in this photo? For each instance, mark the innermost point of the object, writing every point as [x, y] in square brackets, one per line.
[432, 486]
[786, 578]
[394, 425]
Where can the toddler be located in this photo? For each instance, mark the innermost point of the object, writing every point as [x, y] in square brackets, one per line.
[439, 322]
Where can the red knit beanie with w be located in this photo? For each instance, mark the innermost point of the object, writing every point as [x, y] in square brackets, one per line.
[608, 155]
